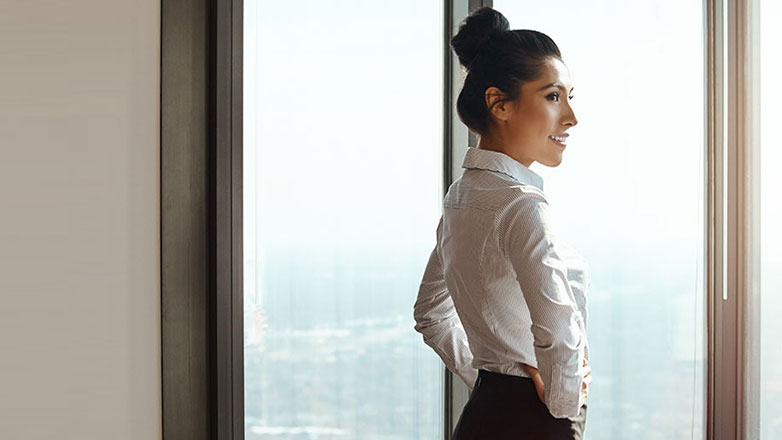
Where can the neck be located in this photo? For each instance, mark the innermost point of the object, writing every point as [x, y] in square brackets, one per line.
[489, 144]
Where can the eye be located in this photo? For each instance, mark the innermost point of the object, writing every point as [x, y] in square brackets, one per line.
[554, 96]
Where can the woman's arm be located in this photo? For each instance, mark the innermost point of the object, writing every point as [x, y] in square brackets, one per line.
[557, 325]
[539, 387]
[437, 321]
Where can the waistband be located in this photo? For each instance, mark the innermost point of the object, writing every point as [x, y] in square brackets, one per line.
[507, 381]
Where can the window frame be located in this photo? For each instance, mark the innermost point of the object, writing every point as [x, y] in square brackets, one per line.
[202, 358]
[201, 215]
[732, 254]
[457, 138]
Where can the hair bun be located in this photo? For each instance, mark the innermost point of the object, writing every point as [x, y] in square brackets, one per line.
[475, 31]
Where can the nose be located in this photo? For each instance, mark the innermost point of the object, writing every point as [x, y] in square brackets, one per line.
[569, 118]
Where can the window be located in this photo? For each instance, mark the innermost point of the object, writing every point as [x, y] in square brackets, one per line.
[629, 196]
[342, 166]
[343, 172]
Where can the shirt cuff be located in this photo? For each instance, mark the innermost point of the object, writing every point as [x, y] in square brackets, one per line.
[469, 376]
[564, 399]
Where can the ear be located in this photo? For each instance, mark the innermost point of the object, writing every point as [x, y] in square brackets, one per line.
[494, 99]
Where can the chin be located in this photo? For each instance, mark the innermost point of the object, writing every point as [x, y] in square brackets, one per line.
[553, 162]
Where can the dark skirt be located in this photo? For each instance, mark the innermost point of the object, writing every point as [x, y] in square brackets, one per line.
[503, 407]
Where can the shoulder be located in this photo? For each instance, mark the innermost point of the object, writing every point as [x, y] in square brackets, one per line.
[522, 199]
[524, 216]
[493, 191]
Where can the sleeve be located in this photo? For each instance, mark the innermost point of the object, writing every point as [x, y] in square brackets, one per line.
[578, 274]
[436, 319]
[557, 325]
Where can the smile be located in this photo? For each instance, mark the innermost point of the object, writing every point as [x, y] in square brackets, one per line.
[559, 140]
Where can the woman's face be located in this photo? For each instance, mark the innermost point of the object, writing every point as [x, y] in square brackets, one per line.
[534, 127]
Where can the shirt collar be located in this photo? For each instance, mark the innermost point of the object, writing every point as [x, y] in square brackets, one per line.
[501, 162]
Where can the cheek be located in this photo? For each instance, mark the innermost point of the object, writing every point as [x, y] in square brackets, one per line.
[536, 122]
[544, 117]
[550, 116]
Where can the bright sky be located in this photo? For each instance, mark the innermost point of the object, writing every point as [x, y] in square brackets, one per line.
[343, 120]
[632, 174]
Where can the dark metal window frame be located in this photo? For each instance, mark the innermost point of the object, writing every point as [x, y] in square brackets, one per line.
[201, 219]
[201, 216]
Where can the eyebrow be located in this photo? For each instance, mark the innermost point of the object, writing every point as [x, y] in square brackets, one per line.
[557, 85]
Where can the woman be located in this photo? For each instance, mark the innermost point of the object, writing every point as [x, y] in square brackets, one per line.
[502, 300]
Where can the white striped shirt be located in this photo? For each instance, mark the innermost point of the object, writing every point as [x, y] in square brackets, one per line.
[500, 288]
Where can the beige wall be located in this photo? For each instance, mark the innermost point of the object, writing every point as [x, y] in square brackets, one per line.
[79, 220]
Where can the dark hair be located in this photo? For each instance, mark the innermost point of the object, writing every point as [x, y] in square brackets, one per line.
[496, 56]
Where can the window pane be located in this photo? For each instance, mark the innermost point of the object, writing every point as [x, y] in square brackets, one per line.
[629, 195]
[343, 185]
[770, 220]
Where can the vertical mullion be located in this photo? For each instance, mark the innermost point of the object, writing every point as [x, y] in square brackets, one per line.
[455, 135]
[457, 138]
[747, 216]
[237, 218]
[186, 273]
[719, 388]
[448, 123]
[733, 252]
[224, 366]
[229, 332]
[721, 414]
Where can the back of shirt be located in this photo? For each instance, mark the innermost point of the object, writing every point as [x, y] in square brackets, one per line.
[500, 288]
[481, 280]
